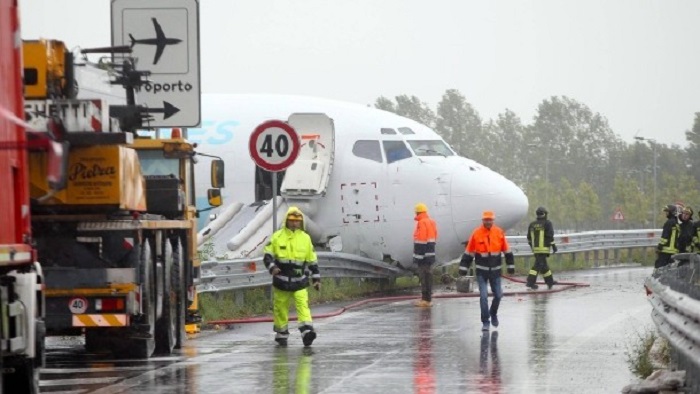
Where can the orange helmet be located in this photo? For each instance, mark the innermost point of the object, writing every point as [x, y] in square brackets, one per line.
[488, 215]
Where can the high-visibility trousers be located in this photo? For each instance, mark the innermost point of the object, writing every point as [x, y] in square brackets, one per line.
[280, 308]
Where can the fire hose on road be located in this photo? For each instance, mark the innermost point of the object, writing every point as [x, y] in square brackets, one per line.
[560, 286]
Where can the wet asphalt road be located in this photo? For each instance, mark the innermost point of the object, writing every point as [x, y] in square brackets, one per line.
[568, 342]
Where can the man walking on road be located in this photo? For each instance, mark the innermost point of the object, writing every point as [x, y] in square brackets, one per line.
[485, 246]
[290, 257]
[540, 237]
[424, 239]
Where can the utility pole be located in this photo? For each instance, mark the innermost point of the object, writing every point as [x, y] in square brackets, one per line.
[653, 144]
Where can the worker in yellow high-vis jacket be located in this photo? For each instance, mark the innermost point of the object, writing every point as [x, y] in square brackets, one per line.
[291, 260]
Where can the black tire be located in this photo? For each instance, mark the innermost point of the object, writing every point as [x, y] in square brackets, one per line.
[180, 290]
[24, 379]
[39, 343]
[166, 323]
[140, 342]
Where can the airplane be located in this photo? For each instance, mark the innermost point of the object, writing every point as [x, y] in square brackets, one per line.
[358, 176]
[160, 41]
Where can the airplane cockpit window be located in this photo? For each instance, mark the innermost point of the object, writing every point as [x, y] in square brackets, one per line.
[367, 149]
[386, 130]
[406, 130]
[395, 151]
[430, 148]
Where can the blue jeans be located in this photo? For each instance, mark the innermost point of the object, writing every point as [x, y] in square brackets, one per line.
[497, 291]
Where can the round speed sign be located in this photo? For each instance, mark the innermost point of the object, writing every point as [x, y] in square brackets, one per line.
[274, 145]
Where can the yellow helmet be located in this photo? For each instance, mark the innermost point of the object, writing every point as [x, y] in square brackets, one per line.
[420, 207]
[294, 214]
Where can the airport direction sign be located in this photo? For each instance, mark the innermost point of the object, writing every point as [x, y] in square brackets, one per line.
[274, 145]
[164, 37]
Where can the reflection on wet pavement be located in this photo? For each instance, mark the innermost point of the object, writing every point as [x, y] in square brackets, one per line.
[568, 342]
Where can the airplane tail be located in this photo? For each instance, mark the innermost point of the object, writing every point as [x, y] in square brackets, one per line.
[133, 40]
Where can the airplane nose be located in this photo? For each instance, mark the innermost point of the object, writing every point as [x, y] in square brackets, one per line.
[475, 189]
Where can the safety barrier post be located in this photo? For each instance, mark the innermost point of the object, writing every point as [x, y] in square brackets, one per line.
[239, 297]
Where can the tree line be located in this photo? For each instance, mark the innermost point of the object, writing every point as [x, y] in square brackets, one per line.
[569, 159]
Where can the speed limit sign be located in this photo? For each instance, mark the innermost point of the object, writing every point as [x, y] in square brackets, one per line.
[274, 145]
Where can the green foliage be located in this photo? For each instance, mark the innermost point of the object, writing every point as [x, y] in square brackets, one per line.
[568, 159]
[460, 125]
[638, 353]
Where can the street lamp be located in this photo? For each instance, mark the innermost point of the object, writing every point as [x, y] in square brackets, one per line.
[653, 147]
[546, 171]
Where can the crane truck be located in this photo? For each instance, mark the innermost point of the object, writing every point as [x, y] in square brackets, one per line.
[117, 240]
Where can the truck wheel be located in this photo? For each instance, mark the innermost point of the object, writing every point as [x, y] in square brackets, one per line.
[180, 290]
[140, 341]
[24, 379]
[165, 325]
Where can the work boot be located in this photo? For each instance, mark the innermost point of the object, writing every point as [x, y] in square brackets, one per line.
[281, 338]
[423, 304]
[550, 282]
[533, 286]
[307, 334]
[494, 320]
[531, 279]
[486, 326]
[308, 337]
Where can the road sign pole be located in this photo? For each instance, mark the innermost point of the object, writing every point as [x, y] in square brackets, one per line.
[274, 202]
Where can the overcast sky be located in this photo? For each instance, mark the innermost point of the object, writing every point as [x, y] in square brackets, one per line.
[637, 62]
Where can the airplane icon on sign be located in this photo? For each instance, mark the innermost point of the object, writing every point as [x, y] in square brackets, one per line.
[160, 41]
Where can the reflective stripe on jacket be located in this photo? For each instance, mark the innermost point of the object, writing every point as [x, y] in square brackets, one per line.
[424, 239]
[540, 235]
[293, 253]
[487, 245]
[669, 237]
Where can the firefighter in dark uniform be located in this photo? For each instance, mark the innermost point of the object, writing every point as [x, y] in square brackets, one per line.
[696, 237]
[668, 244]
[540, 237]
[685, 239]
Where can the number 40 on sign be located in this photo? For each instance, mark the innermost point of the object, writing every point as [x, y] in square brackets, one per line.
[274, 145]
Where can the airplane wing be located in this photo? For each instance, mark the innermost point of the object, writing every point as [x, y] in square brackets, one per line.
[159, 51]
[160, 36]
[160, 40]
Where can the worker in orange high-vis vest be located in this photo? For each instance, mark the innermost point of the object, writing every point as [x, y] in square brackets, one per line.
[424, 238]
[485, 247]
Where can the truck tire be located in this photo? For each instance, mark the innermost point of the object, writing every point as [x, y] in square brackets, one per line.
[140, 340]
[24, 379]
[165, 324]
[180, 289]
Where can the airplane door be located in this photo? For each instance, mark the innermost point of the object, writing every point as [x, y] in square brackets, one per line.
[309, 175]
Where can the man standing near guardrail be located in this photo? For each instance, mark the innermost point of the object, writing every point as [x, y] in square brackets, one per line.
[485, 246]
[685, 239]
[424, 239]
[668, 244]
[289, 257]
[696, 237]
[540, 237]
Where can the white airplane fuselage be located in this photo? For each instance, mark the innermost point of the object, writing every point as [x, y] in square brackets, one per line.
[368, 202]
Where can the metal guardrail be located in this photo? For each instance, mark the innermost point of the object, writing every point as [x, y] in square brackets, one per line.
[219, 275]
[591, 241]
[676, 302]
